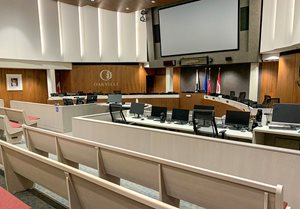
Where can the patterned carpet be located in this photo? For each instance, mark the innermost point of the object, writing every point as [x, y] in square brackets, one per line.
[41, 198]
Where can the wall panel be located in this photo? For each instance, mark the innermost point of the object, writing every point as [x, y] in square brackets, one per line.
[49, 26]
[296, 23]
[34, 86]
[127, 37]
[27, 30]
[268, 80]
[70, 32]
[141, 39]
[90, 34]
[7, 29]
[19, 30]
[109, 36]
[89, 78]
[286, 79]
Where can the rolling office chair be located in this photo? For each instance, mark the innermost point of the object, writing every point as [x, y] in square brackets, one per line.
[242, 96]
[204, 118]
[272, 101]
[116, 113]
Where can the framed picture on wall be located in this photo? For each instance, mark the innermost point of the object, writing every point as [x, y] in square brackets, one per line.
[14, 82]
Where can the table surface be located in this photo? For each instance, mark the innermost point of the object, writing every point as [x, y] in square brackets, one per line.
[187, 127]
[266, 129]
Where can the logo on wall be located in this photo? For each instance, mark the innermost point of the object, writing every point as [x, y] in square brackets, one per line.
[105, 75]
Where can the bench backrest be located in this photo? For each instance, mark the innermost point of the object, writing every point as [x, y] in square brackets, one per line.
[23, 168]
[173, 180]
[13, 114]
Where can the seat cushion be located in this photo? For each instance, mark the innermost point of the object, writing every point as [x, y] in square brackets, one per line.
[15, 125]
[32, 118]
[8, 201]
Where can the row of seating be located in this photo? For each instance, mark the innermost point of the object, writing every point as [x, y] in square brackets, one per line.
[174, 181]
[268, 101]
[11, 121]
[24, 168]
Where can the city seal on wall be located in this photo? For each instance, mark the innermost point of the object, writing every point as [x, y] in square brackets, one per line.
[106, 75]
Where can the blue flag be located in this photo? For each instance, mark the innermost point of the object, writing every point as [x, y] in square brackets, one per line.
[205, 83]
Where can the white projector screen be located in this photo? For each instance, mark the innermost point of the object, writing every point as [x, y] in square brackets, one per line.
[199, 26]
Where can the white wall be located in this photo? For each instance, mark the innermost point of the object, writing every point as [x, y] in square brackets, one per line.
[280, 25]
[50, 31]
[19, 29]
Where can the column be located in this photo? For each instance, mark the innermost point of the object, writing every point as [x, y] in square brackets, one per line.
[254, 81]
[51, 82]
[169, 79]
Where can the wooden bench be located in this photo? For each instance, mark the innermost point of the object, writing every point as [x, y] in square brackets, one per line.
[24, 168]
[13, 131]
[174, 181]
[8, 201]
[19, 116]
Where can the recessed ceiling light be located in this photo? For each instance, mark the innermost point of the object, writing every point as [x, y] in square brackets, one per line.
[153, 2]
[127, 8]
[92, 0]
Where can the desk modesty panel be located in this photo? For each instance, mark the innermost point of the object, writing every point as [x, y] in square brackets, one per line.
[188, 128]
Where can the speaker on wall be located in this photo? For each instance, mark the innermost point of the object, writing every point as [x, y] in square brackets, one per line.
[169, 63]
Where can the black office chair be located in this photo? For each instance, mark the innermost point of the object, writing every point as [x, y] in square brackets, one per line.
[272, 101]
[116, 113]
[68, 101]
[242, 95]
[232, 93]
[204, 118]
[79, 100]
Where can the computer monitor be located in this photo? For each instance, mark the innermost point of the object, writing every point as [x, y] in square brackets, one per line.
[79, 100]
[287, 114]
[180, 115]
[156, 111]
[203, 107]
[237, 119]
[114, 98]
[68, 101]
[91, 99]
[137, 108]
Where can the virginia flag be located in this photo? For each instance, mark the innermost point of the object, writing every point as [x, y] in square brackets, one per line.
[218, 87]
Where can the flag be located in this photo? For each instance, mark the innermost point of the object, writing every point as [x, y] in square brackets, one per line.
[218, 87]
[58, 89]
[205, 82]
[197, 84]
[208, 83]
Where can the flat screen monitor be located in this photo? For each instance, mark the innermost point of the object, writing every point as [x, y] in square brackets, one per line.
[68, 101]
[156, 111]
[114, 98]
[286, 114]
[91, 99]
[137, 108]
[237, 119]
[203, 107]
[180, 115]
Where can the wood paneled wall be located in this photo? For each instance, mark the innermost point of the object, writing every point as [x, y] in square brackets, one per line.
[34, 86]
[176, 80]
[268, 81]
[125, 78]
[288, 89]
[282, 79]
